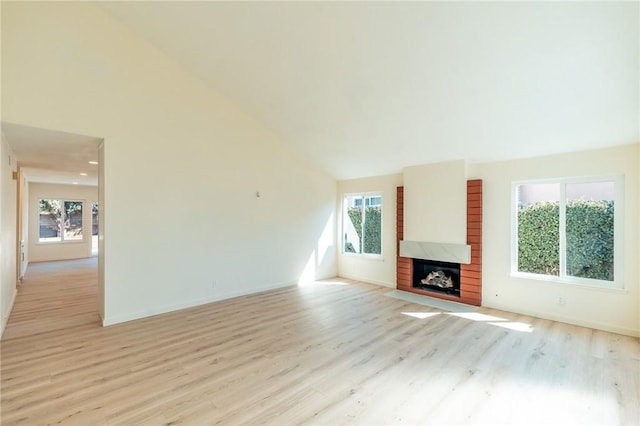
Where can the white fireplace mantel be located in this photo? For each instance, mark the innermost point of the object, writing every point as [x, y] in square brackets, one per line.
[443, 252]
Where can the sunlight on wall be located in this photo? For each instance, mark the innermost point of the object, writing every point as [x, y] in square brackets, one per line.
[308, 275]
[326, 242]
[324, 247]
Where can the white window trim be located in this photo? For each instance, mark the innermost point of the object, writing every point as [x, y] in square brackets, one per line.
[371, 256]
[618, 221]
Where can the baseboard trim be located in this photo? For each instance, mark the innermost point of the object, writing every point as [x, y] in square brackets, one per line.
[368, 281]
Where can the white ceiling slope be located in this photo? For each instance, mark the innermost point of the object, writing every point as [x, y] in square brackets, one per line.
[367, 88]
[53, 157]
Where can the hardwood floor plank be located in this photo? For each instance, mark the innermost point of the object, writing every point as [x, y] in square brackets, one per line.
[337, 352]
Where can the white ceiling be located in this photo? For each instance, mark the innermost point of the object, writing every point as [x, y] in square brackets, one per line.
[53, 157]
[367, 88]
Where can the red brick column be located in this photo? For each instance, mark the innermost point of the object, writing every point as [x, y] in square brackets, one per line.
[471, 275]
[404, 265]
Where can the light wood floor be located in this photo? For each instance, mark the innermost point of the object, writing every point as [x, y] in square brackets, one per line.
[320, 354]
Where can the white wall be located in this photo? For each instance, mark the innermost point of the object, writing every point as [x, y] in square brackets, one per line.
[43, 252]
[372, 269]
[8, 224]
[613, 310]
[435, 202]
[182, 165]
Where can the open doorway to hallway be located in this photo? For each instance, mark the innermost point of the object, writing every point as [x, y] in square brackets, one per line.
[57, 168]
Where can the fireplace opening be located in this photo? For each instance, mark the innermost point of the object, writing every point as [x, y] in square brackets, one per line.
[439, 277]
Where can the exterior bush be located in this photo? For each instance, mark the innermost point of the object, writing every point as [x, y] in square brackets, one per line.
[539, 239]
[590, 239]
[589, 228]
[372, 229]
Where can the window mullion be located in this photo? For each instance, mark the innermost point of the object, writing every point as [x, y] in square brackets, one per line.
[62, 220]
[562, 229]
[362, 225]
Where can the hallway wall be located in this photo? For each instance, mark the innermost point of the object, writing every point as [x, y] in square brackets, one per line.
[8, 224]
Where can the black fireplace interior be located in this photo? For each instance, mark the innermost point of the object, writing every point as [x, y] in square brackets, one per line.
[432, 275]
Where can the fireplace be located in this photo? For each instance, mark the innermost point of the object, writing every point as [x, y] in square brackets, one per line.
[436, 276]
[470, 264]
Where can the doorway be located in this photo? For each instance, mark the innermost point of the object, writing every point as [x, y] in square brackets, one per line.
[64, 166]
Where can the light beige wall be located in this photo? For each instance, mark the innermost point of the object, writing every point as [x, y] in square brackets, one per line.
[435, 202]
[182, 165]
[43, 252]
[8, 224]
[372, 269]
[102, 214]
[613, 310]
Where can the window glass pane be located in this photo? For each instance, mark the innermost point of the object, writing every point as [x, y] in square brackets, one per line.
[95, 217]
[352, 224]
[538, 228]
[73, 220]
[589, 229]
[50, 220]
[373, 229]
[374, 201]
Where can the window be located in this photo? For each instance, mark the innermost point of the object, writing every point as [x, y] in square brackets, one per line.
[362, 224]
[95, 217]
[368, 201]
[60, 220]
[373, 201]
[568, 230]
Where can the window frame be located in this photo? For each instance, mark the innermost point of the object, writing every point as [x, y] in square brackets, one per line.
[62, 239]
[618, 232]
[364, 195]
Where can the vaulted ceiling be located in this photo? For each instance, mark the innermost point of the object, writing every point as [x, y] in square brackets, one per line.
[367, 88]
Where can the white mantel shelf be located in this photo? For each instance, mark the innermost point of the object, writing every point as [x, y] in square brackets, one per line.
[443, 252]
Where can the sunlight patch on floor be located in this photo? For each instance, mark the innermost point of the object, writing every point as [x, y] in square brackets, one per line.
[327, 283]
[307, 283]
[517, 326]
[497, 321]
[421, 315]
[474, 316]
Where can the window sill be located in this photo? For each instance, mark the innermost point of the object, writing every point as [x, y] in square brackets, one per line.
[614, 287]
[46, 243]
[364, 256]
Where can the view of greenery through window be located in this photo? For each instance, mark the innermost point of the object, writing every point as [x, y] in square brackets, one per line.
[95, 217]
[581, 245]
[60, 220]
[362, 224]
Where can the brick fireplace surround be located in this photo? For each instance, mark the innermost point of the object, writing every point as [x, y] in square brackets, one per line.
[471, 274]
